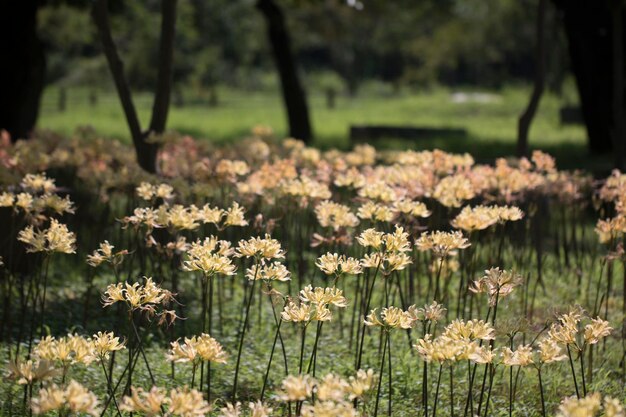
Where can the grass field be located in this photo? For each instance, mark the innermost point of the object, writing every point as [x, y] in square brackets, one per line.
[491, 124]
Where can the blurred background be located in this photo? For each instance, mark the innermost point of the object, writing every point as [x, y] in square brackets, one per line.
[453, 74]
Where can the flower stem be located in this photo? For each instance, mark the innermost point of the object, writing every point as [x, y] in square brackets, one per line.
[243, 333]
[571, 364]
[362, 325]
[543, 402]
[437, 390]
[380, 376]
[269, 363]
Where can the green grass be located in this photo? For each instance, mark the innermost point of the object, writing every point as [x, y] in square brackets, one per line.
[491, 127]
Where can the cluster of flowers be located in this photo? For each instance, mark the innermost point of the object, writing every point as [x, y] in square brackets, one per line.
[378, 200]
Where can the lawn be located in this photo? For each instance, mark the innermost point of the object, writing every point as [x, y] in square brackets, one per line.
[491, 122]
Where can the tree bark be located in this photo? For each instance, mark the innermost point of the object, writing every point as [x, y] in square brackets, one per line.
[146, 152]
[166, 67]
[587, 27]
[292, 91]
[618, 133]
[526, 118]
[23, 67]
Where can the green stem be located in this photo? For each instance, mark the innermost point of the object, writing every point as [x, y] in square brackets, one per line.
[582, 371]
[451, 391]
[302, 342]
[243, 333]
[437, 391]
[362, 325]
[543, 402]
[571, 364]
[269, 363]
[380, 376]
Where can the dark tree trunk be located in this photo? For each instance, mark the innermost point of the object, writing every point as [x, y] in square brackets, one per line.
[166, 67]
[22, 68]
[619, 128]
[145, 150]
[526, 118]
[293, 93]
[588, 29]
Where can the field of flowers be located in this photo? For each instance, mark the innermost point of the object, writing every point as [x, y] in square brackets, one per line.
[267, 278]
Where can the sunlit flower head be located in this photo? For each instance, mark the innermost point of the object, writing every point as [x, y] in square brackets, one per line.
[74, 399]
[105, 343]
[297, 388]
[263, 248]
[441, 243]
[497, 283]
[391, 318]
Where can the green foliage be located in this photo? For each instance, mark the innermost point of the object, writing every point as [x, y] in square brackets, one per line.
[476, 42]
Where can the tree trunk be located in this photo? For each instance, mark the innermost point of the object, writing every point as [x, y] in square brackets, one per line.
[619, 139]
[526, 118]
[588, 27]
[293, 93]
[146, 152]
[22, 69]
[166, 64]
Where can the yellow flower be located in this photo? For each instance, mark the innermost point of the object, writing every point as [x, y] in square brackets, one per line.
[391, 318]
[184, 402]
[413, 208]
[335, 215]
[334, 264]
[210, 256]
[371, 238]
[57, 238]
[37, 183]
[29, 372]
[264, 248]
[522, 356]
[361, 383]
[374, 211]
[452, 190]
[597, 330]
[137, 296]
[147, 403]
[497, 284]
[195, 349]
[297, 313]
[208, 214]
[105, 254]
[613, 408]
[550, 351]
[234, 216]
[430, 312]
[332, 388]
[588, 406]
[323, 296]
[75, 398]
[179, 217]
[329, 409]
[270, 272]
[24, 201]
[297, 388]
[104, 343]
[469, 330]
[440, 349]
[230, 168]
[231, 410]
[441, 243]
[6, 199]
[258, 409]
[481, 354]
[210, 350]
[68, 350]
